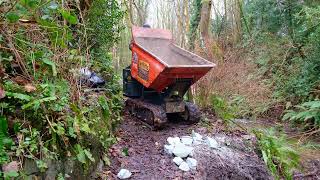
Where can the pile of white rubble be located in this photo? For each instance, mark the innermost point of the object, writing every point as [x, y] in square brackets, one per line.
[182, 149]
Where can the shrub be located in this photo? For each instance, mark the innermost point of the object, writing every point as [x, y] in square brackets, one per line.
[222, 109]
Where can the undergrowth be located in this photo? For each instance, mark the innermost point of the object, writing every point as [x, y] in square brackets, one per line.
[46, 114]
[287, 54]
[275, 63]
[277, 153]
[271, 72]
[307, 114]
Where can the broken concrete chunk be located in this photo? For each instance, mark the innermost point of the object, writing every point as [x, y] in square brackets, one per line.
[196, 136]
[182, 150]
[184, 166]
[196, 142]
[177, 160]
[212, 143]
[192, 163]
[168, 149]
[191, 154]
[124, 174]
[186, 140]
[174, 140]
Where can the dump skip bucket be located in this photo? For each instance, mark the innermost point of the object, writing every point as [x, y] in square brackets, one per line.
[157, 62]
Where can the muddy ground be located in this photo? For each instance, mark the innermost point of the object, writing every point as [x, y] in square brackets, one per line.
[140, 150]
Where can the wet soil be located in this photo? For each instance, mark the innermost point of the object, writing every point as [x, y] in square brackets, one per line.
[141, 151]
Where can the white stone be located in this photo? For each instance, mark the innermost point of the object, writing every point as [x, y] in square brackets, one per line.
[173, 140]
[192, 163]
[196, 136]
[212, 143]
[177, 160]
[184, 166]
[186, 140]
[124, 174]
[182, 150]
[196, 142]
[191, 154]
[168, 149]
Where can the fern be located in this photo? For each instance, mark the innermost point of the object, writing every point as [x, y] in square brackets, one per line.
[277, 154]
[222, 109]
[18, 96]
[36, 103]
[304, 113]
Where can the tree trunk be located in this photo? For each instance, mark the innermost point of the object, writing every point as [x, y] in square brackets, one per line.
[204, 23]
[194, 23]
[187, 22]
[130, 12]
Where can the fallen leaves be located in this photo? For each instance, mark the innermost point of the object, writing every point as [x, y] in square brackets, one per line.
[2, 72]
[2, 93]
[114, 151]
[20, 80]
[29, 88]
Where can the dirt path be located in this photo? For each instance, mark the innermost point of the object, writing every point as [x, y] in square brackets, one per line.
[141, 151]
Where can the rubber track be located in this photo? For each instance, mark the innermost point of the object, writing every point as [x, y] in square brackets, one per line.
[194, 113]
[160, 116]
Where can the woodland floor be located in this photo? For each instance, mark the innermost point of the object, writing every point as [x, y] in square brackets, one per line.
[141, 151]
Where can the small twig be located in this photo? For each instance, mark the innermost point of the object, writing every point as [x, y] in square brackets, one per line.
[16, 54]
[95, 89]
[240, 126]
[10, 9]
[307, 135]
[50, 124]
[221, 161]
[85, 33]
[301, 134]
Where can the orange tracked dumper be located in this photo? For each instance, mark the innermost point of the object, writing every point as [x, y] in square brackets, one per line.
[159, 76]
